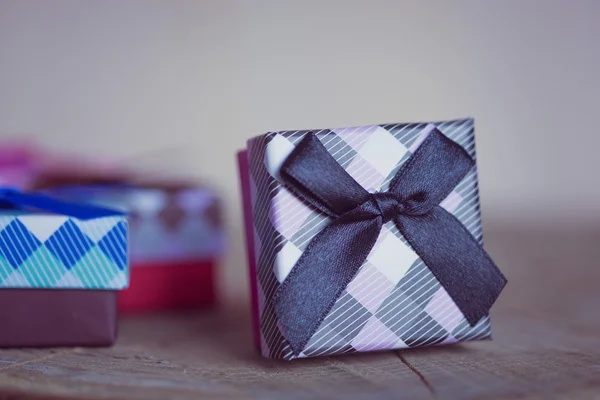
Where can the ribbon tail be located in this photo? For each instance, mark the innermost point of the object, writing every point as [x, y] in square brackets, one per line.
[459, 263]
[322, 273]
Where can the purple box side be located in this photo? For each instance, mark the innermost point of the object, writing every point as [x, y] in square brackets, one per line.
[57, 317]
[244, 171]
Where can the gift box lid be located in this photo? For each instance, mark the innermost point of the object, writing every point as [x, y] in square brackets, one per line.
[49, 244]
[168, 221]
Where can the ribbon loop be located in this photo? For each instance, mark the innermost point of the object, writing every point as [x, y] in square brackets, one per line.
[334, 256]
[309, 172]
[433, 171]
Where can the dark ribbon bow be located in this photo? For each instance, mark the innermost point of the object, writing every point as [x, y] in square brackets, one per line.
[13, 198]
[335, 255]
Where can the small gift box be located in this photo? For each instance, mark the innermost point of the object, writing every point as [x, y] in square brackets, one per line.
[23, 165]
[176, 240]
[61, 266]
[17, 163]
[366, 238]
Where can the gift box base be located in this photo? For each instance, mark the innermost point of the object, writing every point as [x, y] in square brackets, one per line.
[173, 285]
[57, 317]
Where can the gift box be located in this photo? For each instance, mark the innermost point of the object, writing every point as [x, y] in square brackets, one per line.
[17, 163]
[366, 238]
[176, 240]
[25, 165]
[61, 266]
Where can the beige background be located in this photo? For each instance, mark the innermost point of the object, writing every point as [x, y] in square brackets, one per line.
[183, 84]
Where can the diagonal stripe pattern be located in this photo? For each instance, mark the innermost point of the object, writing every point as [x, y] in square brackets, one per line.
[388, 305]
[52, 251]
[165, 225]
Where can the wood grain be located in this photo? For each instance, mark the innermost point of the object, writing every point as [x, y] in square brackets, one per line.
[546, 345]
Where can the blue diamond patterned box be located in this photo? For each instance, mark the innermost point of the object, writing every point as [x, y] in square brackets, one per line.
[61, 265]
[366, 238]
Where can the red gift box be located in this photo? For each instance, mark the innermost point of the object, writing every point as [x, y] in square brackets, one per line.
[158, 286]
[175, 241]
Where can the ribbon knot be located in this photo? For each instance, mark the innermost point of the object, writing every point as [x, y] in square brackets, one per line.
[334, 256]
[387, 203]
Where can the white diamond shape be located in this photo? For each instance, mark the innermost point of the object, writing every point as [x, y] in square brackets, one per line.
[16, 279]
[120, 281]
[392, 258]
[195, 200]
[451, 202]
[287, 213]
[97, 228]
[443, 310]
[382, 151]
[147, 202]
[278, 149]
[69, 280]
[285, 260]
[400, 345]
[374, 336]
[449, 340]
[5, 221]
[42, 227]
[355, 136]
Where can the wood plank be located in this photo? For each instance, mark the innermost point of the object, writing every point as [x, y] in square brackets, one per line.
[546, 345]
[184, 356]
[546, 324]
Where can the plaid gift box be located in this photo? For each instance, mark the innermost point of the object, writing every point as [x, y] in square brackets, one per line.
[60, 268]
[394, 301]
[176, 240]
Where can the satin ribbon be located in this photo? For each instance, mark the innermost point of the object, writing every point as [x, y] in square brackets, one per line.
[335, 255]
[20, 200]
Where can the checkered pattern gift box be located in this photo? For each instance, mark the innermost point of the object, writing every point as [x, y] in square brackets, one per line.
[176, 240]
[61, 265]
[366, 238]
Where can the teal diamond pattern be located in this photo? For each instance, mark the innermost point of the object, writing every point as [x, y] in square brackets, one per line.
[47, 276]
[46, 252]
[5, 269]
[92, 277]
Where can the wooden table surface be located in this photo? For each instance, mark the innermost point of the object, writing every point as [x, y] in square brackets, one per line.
[546, 345]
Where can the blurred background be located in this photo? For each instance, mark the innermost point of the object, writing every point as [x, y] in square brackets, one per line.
[177, 87]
